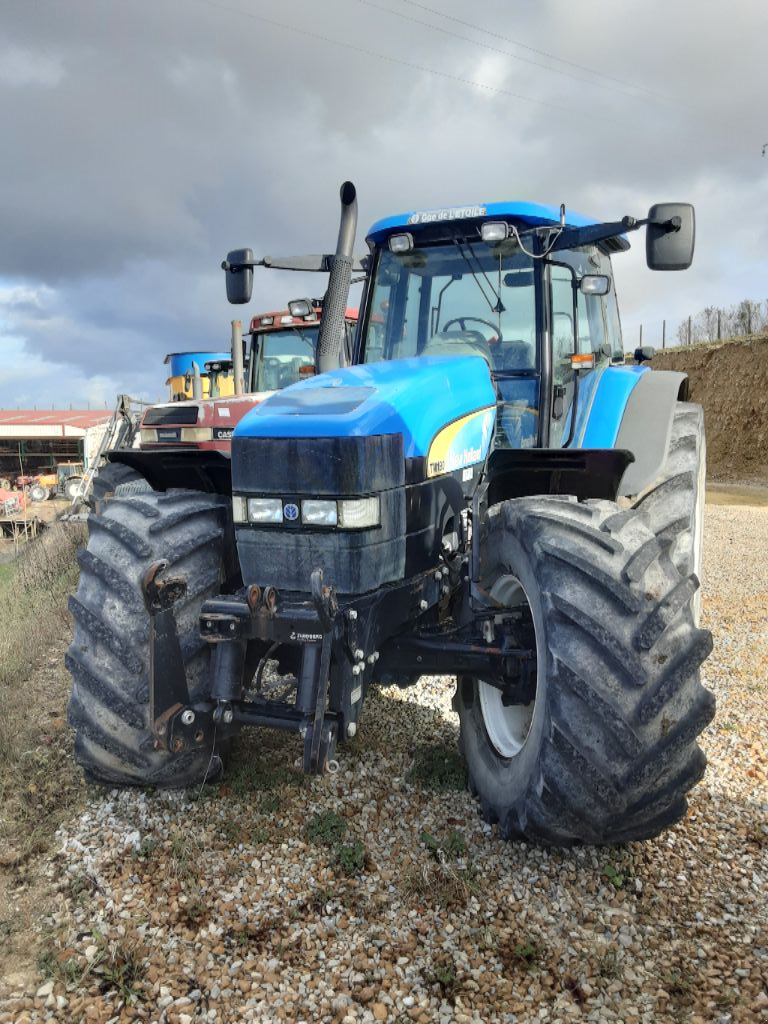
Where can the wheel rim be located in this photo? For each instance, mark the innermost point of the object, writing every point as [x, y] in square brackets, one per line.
[507, 726]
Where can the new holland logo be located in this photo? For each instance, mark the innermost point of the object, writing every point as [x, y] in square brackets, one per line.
[291, 512]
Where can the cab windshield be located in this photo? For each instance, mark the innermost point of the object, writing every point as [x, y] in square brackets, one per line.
[458, 298]
[464, 298]
[280, 355]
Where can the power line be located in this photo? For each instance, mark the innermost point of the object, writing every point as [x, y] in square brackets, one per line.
[296, 30]
[532, 49]
[495, 49]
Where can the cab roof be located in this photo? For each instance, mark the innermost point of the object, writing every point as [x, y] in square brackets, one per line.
[533, 214]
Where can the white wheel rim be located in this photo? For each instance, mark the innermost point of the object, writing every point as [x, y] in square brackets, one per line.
[507, 726]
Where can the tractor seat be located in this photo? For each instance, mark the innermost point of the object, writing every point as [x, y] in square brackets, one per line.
[518, 355]
[458, 343]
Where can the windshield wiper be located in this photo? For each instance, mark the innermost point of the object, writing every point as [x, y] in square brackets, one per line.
[466, 259]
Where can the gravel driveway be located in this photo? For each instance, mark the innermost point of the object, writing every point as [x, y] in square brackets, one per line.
[379, 894]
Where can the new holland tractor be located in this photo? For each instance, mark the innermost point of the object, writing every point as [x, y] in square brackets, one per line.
[481, 495]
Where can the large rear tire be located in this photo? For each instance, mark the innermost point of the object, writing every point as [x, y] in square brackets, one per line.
[109, 656]
[674, 502]
[607, 750]
[115, 478]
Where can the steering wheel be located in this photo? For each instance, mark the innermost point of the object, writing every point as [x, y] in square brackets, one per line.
[462, 320]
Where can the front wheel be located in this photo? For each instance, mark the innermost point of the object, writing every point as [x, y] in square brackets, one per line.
[109, 658]
[606, 750]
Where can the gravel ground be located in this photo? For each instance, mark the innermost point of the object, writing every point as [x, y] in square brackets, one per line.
[379, 894]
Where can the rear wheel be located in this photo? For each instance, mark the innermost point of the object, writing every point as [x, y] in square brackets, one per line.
[38, 492]
[606, 751]
[73, 487]
[116, 478]
[109, 656]
[674, 502]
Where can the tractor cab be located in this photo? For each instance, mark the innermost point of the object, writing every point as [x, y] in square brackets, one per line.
[493, 282]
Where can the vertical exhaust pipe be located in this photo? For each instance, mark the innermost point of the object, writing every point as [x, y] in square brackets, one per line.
[331, 337]
[197, 382]
[237, 356]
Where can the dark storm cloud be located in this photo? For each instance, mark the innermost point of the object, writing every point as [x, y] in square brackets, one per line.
[149, 138]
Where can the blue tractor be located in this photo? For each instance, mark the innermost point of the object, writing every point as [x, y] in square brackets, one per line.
[483, 494]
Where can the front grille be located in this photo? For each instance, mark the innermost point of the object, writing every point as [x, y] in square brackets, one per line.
[182, 414]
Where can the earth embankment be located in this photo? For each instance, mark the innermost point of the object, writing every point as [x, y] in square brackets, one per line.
[730, 379]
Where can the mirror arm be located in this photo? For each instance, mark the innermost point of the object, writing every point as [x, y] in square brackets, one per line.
[571, 238]
[305, 264]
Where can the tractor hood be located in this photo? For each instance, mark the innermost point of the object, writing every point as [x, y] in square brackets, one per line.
[417, 398]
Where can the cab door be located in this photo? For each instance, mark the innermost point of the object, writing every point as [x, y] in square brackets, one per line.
[579, 341]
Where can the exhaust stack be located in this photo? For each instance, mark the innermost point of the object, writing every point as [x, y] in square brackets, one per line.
[332, 324]
[197, 382]
[237, 355]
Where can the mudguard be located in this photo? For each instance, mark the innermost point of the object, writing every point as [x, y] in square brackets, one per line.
[646, 427]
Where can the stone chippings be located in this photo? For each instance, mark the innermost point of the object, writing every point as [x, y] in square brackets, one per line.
[229, 913]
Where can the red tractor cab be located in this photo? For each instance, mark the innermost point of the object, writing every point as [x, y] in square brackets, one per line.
[278, 350]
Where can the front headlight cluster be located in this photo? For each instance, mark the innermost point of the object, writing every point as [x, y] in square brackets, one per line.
[347, 513]
[192, 435]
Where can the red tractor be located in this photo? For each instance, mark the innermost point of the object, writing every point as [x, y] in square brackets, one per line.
[278, 350]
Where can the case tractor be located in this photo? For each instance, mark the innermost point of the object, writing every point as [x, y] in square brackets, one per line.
[482, 494]
[277, 350]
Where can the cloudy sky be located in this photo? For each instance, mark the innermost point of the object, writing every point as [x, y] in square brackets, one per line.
[142, 139]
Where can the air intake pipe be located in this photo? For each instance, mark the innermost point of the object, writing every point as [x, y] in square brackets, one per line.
[329, 343]
[237, 356]
[197, 382]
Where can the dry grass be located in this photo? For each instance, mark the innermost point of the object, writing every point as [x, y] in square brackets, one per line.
[37, 777]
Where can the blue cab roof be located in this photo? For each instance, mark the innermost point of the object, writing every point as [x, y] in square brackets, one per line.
[533, 214]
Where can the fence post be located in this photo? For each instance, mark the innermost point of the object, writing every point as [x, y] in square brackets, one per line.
[641, 335]
[719, 332]
[663, 333]
[689, 330]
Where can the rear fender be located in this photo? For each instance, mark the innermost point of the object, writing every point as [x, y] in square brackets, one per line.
[646, 426]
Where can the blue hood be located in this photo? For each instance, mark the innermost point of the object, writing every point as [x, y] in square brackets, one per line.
[413, 397]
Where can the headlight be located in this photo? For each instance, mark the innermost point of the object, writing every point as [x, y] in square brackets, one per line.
[318, 513]
[239, 509]
[148, 436]
[195, 434]
[265, 510]
[355, 513]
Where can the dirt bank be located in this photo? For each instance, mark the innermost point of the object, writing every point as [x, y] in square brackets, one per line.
[731, 381]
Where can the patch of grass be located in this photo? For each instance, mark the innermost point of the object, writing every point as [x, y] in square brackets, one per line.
[119, 966]
[320, 899]
[443, 977]
[438, 768]
[59, 964]
[608, 965]
[454, 847]
[615, 876]
[444, 884]
[249, 776]
[678, 983]
[326, 829]
[350, 858]
[269, 803]
[38, 778]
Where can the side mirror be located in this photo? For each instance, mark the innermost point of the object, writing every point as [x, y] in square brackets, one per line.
[238, 268]
[670, 236]
[595, 284]
[644, 354]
